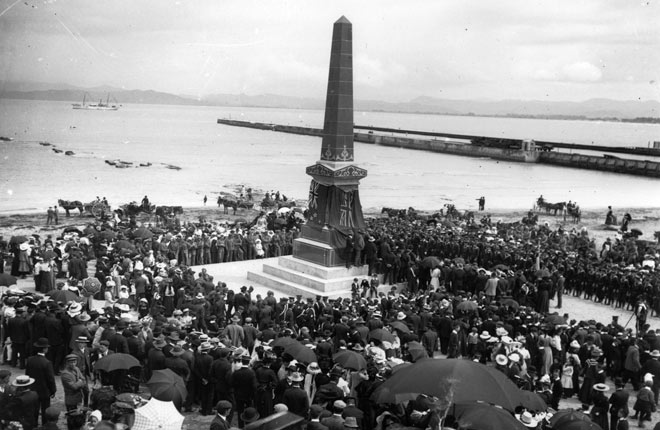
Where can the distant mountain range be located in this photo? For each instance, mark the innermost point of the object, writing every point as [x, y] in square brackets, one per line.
[647, 111]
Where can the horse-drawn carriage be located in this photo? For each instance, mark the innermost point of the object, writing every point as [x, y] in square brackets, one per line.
[570, 209]
[227, 201]
[96, 208]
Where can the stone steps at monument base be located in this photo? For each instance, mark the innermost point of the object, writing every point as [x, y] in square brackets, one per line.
[291, 288]
[320, 271]
[308, 281]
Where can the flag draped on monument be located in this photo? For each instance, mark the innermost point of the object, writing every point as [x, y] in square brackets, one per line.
[330, 205]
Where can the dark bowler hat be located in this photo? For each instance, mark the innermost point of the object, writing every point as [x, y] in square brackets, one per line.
[250, 415]
[42, 342]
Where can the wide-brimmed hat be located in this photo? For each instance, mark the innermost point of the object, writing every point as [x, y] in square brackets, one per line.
[655, 353]
[296, 377]
[159, 343]
[206, 346]
[250, 415]
[84, 317]
[22, 381]
[177, 351]
[527, 419]
[485, 335]
[75, 309]
[400, 316]
[601, 387]
[42, 342]
[313, 368]
[501, 359]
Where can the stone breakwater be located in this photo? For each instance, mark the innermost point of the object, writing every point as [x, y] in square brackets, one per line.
[462, 147]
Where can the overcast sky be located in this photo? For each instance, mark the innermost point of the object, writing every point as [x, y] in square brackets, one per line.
[463, 49]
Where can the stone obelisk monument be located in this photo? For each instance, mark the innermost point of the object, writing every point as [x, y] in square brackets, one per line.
[317, 264]
[334, 203]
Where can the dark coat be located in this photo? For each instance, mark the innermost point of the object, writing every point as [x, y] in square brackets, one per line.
[39, 368]
[18, 330]
[297, 401]
[244, 383]
[219, 423]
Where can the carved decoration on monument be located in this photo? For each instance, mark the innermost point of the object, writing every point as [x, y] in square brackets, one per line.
[344, 172]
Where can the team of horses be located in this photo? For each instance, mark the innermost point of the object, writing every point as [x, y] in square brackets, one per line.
[571, 210]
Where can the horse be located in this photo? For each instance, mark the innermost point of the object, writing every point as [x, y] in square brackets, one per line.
[71, 204]
[548, 207]
[133, 209]
[575, 213]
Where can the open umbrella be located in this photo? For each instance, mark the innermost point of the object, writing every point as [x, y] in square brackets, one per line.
[398, 325]
[167, 386]
[430, 262]
[467, 306]
[350, 360]
[117, 361]
[555, 319]
[283, 342]
[301, 353]
[533, 402]
[91, 286]
[381, 335]
[467, 380]
[157, 415]
[64, 296]
[6, 280]
[105, 235]
[17, 240]
[568, 415]
[142, 233]
[482, 416]
[417, 351]
[510, 303]
[72, 229]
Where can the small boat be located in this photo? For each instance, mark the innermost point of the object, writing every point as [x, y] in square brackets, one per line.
[57, 151]
[170, 166]
[6, 139]
[69, 153]
[96, 106]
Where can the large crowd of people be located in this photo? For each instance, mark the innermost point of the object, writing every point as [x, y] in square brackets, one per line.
[460, 289]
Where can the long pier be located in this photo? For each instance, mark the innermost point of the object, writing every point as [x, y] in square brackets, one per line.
[456, 144]
[633, 150]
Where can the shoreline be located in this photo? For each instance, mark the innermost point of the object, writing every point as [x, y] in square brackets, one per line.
[647, 220]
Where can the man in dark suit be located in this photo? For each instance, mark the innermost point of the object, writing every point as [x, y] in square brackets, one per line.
[221, 422]
[351, 410]
[335, 422]
[295, 398]
[618, 401]
[201, 374]
[56, 336]
[41, 370]
[244, 383]
[19, 332]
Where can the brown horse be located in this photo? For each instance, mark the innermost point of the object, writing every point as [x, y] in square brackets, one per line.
[70, 205]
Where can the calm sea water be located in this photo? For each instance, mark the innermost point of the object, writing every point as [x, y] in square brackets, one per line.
[214, 157]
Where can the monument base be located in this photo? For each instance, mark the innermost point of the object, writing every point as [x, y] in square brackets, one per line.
[293, 276]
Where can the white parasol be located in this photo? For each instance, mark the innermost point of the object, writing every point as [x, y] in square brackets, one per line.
[157, 415]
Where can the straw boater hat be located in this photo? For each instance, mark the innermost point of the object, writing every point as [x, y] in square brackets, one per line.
[484, 335]
[601, 387]
[296, 377]
[655, 353]
[75, 309]
[501, 359]
[22, 381]
[313, 368]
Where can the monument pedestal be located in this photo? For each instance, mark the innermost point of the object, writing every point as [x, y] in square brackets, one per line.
[293, 276]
